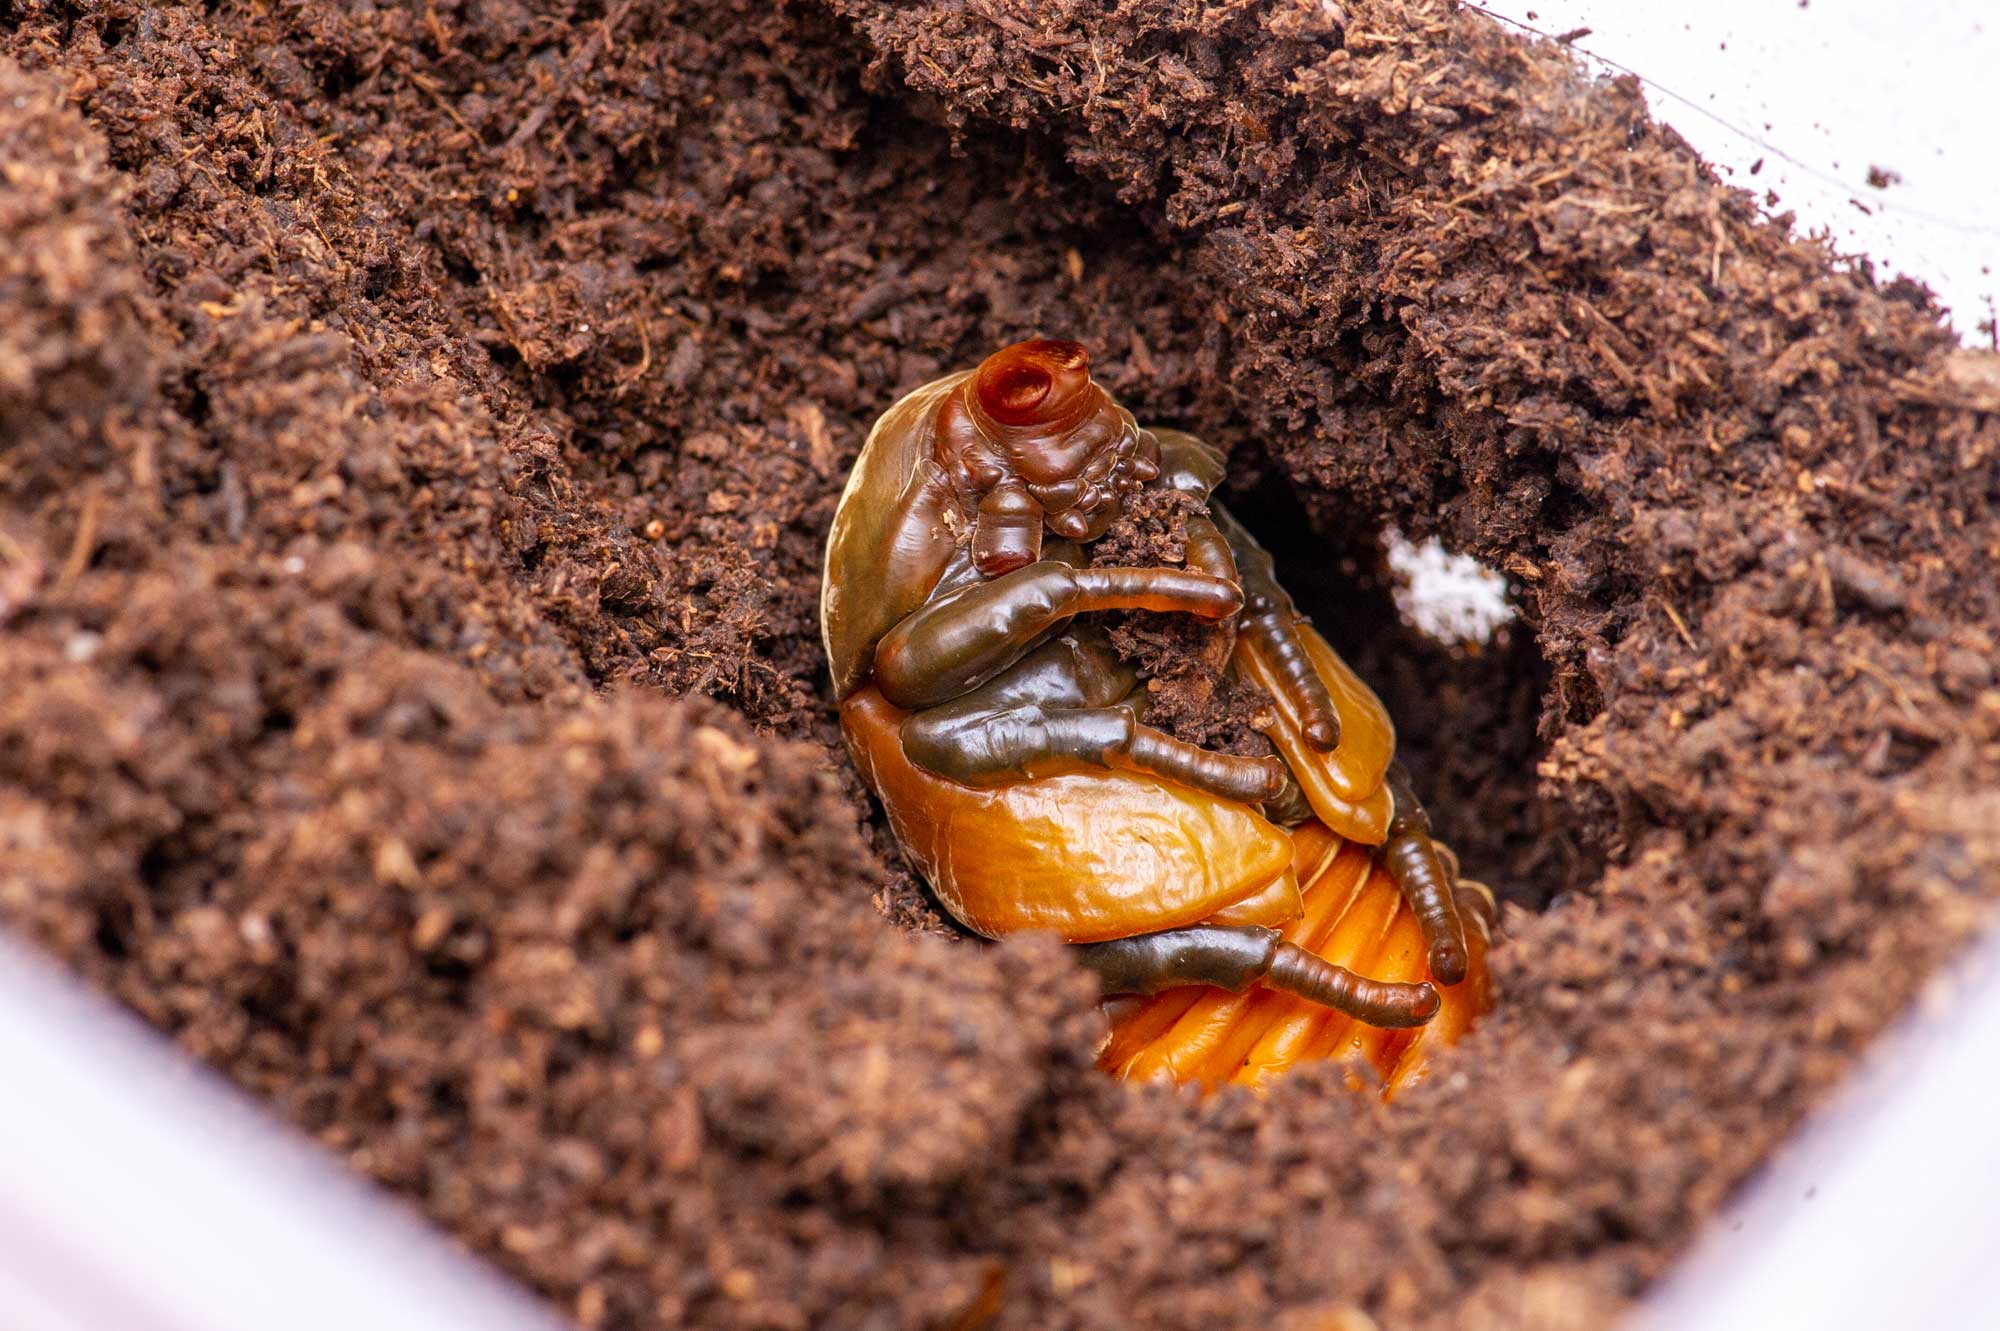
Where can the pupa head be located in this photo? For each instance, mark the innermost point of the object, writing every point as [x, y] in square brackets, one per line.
[1035, 445]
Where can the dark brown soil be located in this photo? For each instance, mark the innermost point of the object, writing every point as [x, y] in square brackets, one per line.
[420, 424]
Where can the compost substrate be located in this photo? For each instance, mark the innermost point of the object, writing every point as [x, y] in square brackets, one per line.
[420, 426]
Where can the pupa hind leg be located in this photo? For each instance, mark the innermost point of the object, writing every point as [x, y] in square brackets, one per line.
[1235, 957]
[1420, 870]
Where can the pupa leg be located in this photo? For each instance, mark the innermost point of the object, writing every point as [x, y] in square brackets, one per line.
[1049, 714]
[1234, 957]
[1272, 620]
[960, 641]
[1425, 880]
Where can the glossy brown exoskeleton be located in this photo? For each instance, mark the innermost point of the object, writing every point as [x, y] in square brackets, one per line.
[1008, 742]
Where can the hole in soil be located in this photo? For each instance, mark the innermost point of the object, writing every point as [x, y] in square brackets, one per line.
[926, 303]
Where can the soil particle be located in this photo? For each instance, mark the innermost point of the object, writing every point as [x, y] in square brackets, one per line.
[1183, 660]
[421, 425]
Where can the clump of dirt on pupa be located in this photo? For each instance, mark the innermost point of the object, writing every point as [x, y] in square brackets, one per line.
[1184, 661]
[385, 383]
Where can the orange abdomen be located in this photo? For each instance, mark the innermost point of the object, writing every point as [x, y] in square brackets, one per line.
[1090, 855]
[1353, 917]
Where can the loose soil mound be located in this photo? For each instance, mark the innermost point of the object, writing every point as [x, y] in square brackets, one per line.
[420, 425]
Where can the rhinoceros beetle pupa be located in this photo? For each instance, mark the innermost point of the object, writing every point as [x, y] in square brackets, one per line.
[1265, 910]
